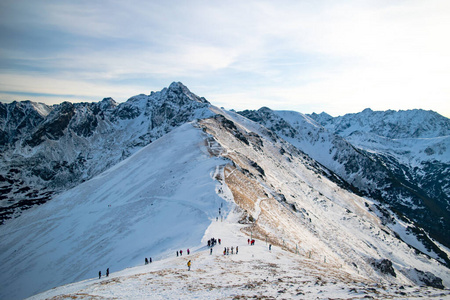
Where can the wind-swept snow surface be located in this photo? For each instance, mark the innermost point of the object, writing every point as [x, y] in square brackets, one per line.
[161, 198]
[254, 272]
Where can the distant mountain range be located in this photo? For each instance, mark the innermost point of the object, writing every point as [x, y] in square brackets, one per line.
[399, 158]
[355, 188]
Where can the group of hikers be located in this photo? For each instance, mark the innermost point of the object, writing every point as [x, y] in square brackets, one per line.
[226, 250]
[212, 242]
[100, 273]
[180, 253]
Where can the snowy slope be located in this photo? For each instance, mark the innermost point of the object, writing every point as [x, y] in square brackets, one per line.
[46, 150]
[326, 241]
[408, 174]
[317, 208]
[166, 196]
[161, 198]
[254, 272]
[415, 146]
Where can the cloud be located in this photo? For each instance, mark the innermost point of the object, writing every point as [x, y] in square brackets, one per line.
[324, 55]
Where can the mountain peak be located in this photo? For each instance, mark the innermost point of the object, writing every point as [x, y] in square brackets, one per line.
[178, 88]
[177, 85]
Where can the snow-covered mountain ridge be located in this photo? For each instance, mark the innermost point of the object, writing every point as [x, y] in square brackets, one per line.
[48, 149]
[409, 174]
[416, 123]
[168, 195]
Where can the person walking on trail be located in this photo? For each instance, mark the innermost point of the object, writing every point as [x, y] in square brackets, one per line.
[189, 265]
[188, 251]
[107, 272]
[150, 260]
[210, 251]
[99, 274]
[237, 249]
[146, 261]
[181, 252]
[270, 247]
[177, 253]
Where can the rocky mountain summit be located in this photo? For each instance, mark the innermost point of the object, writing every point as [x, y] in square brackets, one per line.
[48, 149]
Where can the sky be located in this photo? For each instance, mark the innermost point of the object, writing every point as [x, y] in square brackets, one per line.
[309, 56]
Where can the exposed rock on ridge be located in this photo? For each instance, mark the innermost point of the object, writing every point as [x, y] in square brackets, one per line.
[47, 149]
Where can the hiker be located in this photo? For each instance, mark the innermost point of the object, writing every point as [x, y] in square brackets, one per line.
[177, 253]
[150, 260]
[189, 265]
[209, 243]
[146, 261]
[181, 252]
[188, 251]
[270, 247]
[99, 274]
[232, 248]
[107, 272]
[210, 251]
[219, 241]
[248, 241]
[224, 251]
[237, 249]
